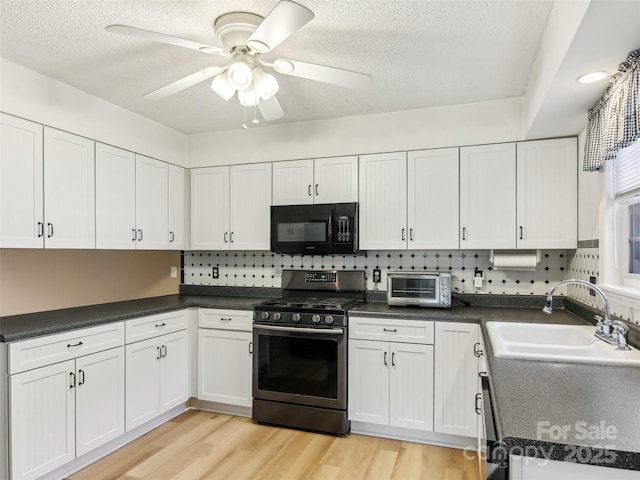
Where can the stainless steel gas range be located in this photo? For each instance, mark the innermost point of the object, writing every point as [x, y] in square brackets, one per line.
[300, 351]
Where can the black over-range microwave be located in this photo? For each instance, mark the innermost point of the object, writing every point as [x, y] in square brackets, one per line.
[314, 229]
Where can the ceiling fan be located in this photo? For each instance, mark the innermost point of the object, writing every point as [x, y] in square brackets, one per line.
[245, 37]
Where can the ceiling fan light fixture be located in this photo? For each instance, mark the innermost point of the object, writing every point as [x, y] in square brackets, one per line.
[283, 66]
[239, 75]
[248, 97]
[222, 87]
[265, 84]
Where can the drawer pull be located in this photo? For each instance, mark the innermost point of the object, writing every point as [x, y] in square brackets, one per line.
[250, 348]
[385, 359]
[390, 330]
[393, 359]
[81, 373]
[159, 351]
[69, 345]
[163, 351]
[160, 325]
[72, 379]
[226, 319]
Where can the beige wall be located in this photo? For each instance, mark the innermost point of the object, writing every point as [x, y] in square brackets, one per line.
[39, 280]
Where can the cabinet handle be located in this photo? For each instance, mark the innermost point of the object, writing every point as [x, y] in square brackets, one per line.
[403, 234]
[72, 379]
[49, 230]
[251, 348]
[478, 408]
[172, 237]
[385, 359]
[225, 319]
[476, 350]
[464, 233]
[411, 234]
[69, 345]
[316, 189]
[231, 237]
[40, 229]
[160, 325]
[225, 237]
[139, 235]
[309, 190]
[521, 232]
[159, 351]
[390, 330]
[163, 351]
[393, 359]
[81, 373]
[133, 234]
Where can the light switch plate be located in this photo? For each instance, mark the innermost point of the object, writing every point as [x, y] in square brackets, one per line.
[174, 272]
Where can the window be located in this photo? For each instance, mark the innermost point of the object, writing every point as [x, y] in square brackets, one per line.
[634, 239]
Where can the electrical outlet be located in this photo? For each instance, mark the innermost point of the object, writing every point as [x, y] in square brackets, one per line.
[174, 272]
[215, 273]
[377, 275]
[592, 292]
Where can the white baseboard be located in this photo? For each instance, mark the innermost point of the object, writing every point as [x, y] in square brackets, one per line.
[416, 436]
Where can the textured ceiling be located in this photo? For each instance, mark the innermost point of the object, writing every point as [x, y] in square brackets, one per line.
[420, 53]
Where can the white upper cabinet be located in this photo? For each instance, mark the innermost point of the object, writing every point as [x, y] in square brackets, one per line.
[21, 183]
[323, 180]
[152, 204]
[249, 207]
[383, 201]
[115, 198]
[69, 190]
[547, 194]
[432, 199]
[293, 182]
[488, 196]
[230, 207]
[210, 208]
[176, 208]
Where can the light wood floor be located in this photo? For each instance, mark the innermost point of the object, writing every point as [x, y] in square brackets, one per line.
[204, 445]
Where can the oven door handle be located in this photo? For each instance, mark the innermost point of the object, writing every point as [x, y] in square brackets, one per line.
[326, 331]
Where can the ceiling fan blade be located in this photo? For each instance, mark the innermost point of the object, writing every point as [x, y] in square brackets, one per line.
[321, 73]
[284, 20]
[184, 83]
[270, 109]
[162, 38]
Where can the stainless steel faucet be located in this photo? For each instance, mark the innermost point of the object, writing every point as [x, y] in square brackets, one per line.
[613, 332]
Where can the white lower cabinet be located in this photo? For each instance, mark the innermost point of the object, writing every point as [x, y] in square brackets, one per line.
[391, 382]
[225, 355]
[157, 376]
[456, 384]
[59, 412]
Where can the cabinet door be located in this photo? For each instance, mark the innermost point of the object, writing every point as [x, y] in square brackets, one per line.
[250, 207]
[115, 198]
[210, 208]
[176, 208]
[69, 190]
[142, 382]
[224, 366]
[21, 177]
[547, 194]
[369, 381]
[42, 419]
[488, 196]
[432, 199]
[293, 182]
[411, 386]
[99, 399]
[152, 204]
[174, 370]
[455, 378]
[383, 201]
[335, 180]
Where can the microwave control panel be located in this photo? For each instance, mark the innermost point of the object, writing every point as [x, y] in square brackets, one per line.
[343, 226]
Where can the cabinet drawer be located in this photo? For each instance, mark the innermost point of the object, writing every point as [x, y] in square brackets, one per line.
[154, 325]
[226, 319]
[41, 351]
[410, 331]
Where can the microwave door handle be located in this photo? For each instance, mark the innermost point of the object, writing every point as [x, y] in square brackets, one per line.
[331, 227]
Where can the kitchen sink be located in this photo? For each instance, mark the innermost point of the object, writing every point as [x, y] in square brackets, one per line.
[556, 343]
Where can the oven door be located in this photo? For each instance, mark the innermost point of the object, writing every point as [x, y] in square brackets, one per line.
[305, 366]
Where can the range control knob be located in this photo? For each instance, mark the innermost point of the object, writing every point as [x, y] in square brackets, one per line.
[315, 319]
[295, 317]
[328, 319]
[277, 316]
[264, 315]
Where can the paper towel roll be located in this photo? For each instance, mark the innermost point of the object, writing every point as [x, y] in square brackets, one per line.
[515, 261]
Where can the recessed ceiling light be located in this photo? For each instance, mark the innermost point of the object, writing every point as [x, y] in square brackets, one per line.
[592, 77]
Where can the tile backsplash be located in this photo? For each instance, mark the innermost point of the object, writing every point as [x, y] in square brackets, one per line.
[264, 269]
[583, 264]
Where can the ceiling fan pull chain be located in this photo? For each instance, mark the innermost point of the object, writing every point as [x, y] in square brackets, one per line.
[244, 117]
